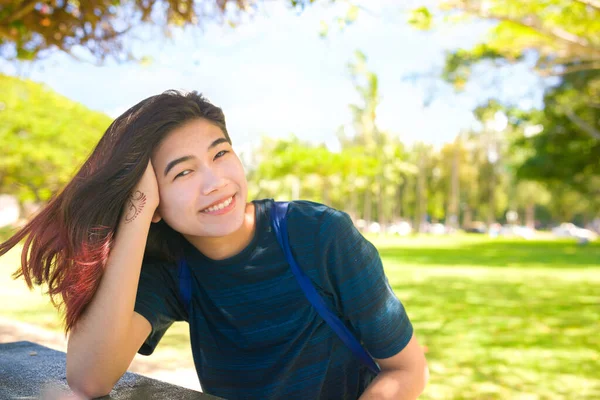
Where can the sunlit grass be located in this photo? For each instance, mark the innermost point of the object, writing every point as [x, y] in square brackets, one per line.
[499, 318]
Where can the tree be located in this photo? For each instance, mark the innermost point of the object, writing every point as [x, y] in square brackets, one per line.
[44, 138]
[564, 35]
[565, 152]
[295, 169]
[30, 29]
[366, 133]
[528, 194]
[375, 143]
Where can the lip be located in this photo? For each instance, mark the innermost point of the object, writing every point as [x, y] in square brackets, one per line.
[223, 210]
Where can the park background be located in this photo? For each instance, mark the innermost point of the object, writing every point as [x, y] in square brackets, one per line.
[462, 137]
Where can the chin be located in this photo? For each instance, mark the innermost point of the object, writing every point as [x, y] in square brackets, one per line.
[225, 229]
[218, 232]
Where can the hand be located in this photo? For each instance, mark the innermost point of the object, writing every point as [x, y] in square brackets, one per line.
[144, 197]
[57, 392]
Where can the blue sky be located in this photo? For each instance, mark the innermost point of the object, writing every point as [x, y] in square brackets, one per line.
[273, 75]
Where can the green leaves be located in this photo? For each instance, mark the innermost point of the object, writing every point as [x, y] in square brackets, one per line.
[458, 64]
[421, 18]
[561, 32]
[99, 25]
[567, 152]
[564, 35]
[44, 138]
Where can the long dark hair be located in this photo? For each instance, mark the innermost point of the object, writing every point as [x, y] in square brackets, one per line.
[67, 244]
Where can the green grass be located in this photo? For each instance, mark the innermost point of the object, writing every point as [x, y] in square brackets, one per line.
[20, 303]
[502, 319]
[499, 318]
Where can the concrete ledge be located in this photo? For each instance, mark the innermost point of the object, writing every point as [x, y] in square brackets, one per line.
[31, 371]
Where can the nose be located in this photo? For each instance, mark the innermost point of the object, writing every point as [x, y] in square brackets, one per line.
[212, 181]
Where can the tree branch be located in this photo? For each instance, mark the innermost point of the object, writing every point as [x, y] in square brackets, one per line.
[28, 7]
[5, 33]
[591, 3]
[583, 125]
[529, 22]
[568, 69]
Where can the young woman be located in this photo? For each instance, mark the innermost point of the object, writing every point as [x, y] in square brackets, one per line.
[164, 184]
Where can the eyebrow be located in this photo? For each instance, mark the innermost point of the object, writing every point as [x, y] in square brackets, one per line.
[217, 142]
[173, 163]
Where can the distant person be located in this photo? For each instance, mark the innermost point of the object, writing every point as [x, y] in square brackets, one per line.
[164, 186]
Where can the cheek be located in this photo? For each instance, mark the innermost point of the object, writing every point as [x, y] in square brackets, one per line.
[172, 202]
[240, 174]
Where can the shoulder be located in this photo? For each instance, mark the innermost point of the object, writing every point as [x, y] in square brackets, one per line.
[317, 213]
[318, 220]
[304, 210]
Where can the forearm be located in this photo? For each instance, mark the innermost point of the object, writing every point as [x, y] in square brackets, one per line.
[397, 385]
[98, 345]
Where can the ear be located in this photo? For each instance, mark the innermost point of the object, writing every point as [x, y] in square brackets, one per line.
[156, 217]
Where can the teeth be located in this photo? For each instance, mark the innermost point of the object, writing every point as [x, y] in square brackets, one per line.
[219, 206]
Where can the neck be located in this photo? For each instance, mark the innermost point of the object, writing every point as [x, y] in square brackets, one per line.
[220, 248]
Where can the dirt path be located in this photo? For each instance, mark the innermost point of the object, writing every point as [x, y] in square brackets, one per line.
[184, 375]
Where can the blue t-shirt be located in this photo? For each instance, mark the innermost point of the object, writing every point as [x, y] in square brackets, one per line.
[254, 334]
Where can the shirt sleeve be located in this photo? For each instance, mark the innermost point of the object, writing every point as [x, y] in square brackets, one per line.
[158, 302]
[361, 290]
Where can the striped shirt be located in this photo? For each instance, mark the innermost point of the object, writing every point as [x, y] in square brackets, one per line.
[254, 334]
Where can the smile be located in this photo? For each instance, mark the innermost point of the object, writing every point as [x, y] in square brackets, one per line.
[219, 206]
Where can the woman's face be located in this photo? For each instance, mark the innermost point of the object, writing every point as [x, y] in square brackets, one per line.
[201, 181]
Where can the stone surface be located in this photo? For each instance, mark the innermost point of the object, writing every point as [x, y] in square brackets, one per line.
[31, 371]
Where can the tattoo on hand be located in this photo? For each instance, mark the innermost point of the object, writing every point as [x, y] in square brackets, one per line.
[135, 204]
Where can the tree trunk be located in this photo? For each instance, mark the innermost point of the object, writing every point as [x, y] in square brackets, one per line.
[380, 203]
[367, 206]
[325, 191]
[530, 215]
[354, 204]
[468, 217]
[454, 191]
[492, 197]
[420, 208]
[399, 204]
[295, 188]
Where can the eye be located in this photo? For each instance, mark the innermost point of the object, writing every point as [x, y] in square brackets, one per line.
[182, 173]
[221, 154]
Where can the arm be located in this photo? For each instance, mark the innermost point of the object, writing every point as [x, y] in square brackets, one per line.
[402, 376]
[378, 318]
[104, 341]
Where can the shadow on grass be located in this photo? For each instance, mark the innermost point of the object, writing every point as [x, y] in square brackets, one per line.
[499, 254]
[510, 337]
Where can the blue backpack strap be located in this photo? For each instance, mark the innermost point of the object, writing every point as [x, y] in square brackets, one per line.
[279, 223]
[185, 283]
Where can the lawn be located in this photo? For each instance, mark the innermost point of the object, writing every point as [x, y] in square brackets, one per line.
[499, 318]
